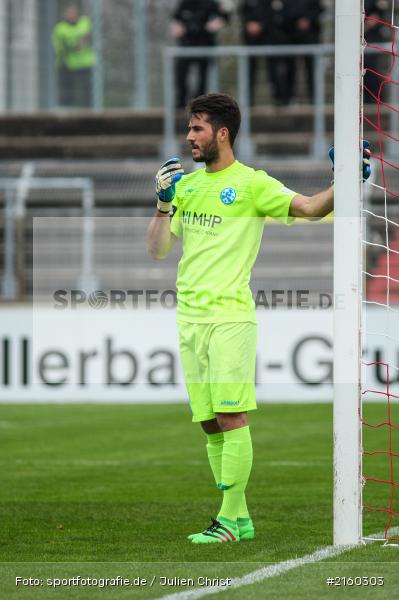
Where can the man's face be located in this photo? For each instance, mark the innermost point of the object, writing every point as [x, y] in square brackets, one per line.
[72, 14]
[203, 140]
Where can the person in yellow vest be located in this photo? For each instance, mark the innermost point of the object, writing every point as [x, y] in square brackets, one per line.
[75, 58]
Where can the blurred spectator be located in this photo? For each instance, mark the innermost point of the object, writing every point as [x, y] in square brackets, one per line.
[195, 23]
[282, 22]
[303, 27]
[255, 16]
[374, 34]
[75, 58]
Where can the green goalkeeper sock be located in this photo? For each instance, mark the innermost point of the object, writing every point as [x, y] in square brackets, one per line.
[243, 513]
[214, 449]
[236, 468]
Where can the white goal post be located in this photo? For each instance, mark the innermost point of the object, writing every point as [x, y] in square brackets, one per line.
[347, 273]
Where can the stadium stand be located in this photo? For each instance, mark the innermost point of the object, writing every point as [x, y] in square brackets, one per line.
[106, 147]
[122, 133]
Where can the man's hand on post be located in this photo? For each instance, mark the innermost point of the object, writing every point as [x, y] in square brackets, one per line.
[366, 159]
[168, 175]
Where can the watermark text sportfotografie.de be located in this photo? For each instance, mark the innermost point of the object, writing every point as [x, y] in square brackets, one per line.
[118, 299]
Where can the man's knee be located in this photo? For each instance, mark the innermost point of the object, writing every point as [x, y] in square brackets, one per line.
[211, 426]
[229, 421]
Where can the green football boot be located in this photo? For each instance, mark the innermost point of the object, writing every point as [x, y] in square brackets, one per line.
[246, 531]
[216, 533]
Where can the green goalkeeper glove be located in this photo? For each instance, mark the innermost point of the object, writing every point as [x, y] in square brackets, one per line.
[168, 175]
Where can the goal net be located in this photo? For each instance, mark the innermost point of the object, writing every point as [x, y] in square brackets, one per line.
[366, 315]
[380, 331]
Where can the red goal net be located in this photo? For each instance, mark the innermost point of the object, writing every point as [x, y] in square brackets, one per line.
[380, 328]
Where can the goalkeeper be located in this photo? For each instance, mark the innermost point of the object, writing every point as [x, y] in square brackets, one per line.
[218, 212]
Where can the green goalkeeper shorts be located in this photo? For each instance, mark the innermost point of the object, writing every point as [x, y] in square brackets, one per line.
[218, 362]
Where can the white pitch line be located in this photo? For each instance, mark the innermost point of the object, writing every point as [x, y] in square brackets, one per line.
[269, 571]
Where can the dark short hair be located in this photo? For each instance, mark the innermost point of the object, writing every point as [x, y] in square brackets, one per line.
[222, 111]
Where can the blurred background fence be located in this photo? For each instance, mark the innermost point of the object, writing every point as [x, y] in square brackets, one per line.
[51, 152]
[128, 38]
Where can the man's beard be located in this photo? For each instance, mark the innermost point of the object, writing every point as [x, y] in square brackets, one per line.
[209, 154]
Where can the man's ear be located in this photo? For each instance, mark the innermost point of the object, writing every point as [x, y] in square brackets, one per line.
[223, 134]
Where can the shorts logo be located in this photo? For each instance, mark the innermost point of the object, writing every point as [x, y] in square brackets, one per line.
[228, 195]
[230, 403]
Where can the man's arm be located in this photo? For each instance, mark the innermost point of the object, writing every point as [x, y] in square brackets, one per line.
[160, 239]
[321, 204]
[313, 207]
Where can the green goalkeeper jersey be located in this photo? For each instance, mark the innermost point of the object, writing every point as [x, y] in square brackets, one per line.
[220, 218]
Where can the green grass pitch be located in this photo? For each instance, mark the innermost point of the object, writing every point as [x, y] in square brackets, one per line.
[107, 490]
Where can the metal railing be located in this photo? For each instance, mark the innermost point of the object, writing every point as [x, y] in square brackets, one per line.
[14, 216]
[246, 149]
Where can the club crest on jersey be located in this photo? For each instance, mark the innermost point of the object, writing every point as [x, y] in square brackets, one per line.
[228, 195]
